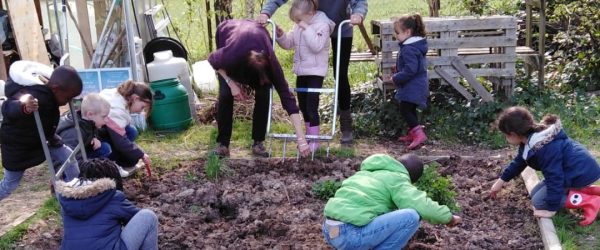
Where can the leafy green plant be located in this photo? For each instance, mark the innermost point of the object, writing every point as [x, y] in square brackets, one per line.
[325, 189]
[439, 188]
[212, 167]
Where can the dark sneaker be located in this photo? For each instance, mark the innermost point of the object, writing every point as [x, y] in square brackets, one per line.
[221, 151]
[258, 149]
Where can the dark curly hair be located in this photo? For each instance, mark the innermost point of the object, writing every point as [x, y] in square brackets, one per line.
[98, 168]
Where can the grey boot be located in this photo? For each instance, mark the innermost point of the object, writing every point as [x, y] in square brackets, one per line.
[346, 127]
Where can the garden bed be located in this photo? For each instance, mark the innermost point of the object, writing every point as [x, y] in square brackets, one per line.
[266, 204]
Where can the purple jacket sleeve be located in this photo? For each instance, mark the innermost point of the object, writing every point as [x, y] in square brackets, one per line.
[287, 99]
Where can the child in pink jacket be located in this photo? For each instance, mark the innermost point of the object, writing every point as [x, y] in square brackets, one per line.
[310, 38]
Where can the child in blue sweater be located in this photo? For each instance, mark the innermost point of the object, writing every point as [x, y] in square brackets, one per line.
[412, 86]
[568, 168]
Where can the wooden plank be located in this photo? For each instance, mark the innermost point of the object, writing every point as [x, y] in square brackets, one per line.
[363, 31]
[522, 52]
[382, 27]
[472, 59]
[100, 12]
[469, 23]
[471, 42]
[460, 67]
[453, 82]
[3, 73]
[476, 72]
[27, 31]
[547, 229]
[84, 27]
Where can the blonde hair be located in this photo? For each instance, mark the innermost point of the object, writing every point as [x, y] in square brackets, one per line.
[94, 103]
[304, 6]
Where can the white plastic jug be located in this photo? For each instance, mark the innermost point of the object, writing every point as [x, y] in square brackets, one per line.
[165, 66]
[205, 76]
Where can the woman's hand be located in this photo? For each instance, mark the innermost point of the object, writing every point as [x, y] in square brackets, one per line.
[356, 19]
[262, 18]
[303, 147]
[496, 188]
[236, 91]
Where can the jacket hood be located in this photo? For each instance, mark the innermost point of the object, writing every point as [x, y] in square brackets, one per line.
[28, 73]
[418, 42]
[322, 17]
[540, 139]
[82, 199]
[382, 162]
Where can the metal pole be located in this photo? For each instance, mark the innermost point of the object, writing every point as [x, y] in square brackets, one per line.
[273, 26]
[38, 123]
[62, 50]
[66, 24]
[337, 74]
[130, 42]
[79, 137]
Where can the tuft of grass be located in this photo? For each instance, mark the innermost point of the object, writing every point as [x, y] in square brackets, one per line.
[325, 189]
[439, 188]
[50, 208]
[212, 167]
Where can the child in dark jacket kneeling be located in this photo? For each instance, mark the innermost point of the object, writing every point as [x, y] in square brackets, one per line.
[379, 208]
[28, 93]
[569, 169]
[91, 117]
[96, 214]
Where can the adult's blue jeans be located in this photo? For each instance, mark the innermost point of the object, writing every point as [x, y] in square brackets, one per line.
[392, 230]
[141, 232]
[102, 152]
[59, 155]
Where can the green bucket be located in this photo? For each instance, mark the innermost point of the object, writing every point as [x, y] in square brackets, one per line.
[170, 110]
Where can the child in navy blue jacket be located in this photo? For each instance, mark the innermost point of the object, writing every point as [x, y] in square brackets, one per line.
[96, 214]
[412, 86]
[568, 168]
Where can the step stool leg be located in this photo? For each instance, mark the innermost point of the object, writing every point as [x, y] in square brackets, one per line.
[284, 145]
[270, 146]
[328, 148]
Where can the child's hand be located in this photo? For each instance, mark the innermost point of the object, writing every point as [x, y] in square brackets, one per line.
[30, 104]
[96, 144]
[455, 221]
[146, 160]
[496, 188]
[543, 213]
[279, 31]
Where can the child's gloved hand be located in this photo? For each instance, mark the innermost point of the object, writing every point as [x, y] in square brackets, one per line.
[30, 104]
[96, 144]
[496, 188]
[455, 221]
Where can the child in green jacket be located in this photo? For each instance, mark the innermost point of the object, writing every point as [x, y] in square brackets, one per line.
[379, 208]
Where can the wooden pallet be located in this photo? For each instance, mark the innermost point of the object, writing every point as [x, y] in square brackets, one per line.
[465, 47]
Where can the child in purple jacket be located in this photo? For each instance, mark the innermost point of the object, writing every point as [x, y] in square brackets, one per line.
[412, 86]
[310, 40]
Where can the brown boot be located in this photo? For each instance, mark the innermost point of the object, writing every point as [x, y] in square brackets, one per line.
[221, 151]
[346, 127]
[258, 149]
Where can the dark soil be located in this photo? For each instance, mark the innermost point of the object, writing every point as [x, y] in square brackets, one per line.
[264, 204]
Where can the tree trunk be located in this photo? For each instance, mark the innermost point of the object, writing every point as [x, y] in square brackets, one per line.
[209, 25]
[222, 10]
[434, 8]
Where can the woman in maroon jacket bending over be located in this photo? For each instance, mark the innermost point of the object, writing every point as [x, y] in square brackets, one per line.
[245, 55]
